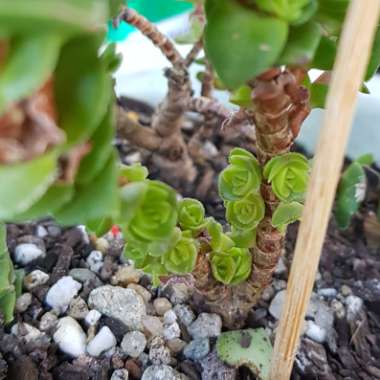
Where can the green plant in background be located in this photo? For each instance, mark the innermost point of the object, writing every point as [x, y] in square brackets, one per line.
[351, 190]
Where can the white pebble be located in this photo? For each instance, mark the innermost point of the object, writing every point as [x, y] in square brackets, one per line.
[48, 321]
[120, 374]
[35, 278]
[27, 252]
[315, 332]
[62, 292]
[354, 305]
[103, 341]
[23, 302]
[172, 331]
[133, 343]
[95, 261]
[41, 232]
[70, 337]
[170, 317]
[26, 331]
[92, 317]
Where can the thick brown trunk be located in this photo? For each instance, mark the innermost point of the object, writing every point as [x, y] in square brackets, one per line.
[280, 106]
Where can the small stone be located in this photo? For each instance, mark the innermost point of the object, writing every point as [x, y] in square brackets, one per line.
[176, 292]
[133, 343]
[328, 293]
[70, 337]
[145, 294]
[279, 284]
[103, 341]
[120, 374]
[102, 245]
[161, 305]
[133, 368]
[197, 349]
[158, 352]
[184, 314]
[172, 331]
[54, 230]
[346, 290]
[41, 231]
[133, 158]
[116, 302]
[170, 317]
[206, 326]
[84, 275]
[281, 267]
[152, 326]
[160, 372]
[354, 306]
[23, 302]
[338, 309]
[48, 321]
[268, 293]
[35, 279]
[95, 261]
[92, 317]
[315, 332]
[27, 332]
[125, 275]
[176, 345]
[275, 306]
[214, 368]
[144, 360]
[61, 293]
[26, 253]
[78, 308]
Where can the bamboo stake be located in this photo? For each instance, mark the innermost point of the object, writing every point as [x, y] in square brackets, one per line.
[352, 58]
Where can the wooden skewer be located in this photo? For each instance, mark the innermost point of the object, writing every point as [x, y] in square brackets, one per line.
[351, 62]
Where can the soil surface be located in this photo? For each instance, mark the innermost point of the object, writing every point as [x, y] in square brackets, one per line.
[86, 313]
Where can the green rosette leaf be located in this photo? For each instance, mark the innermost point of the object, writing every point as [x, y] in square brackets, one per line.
[182, 258]
[149, 211]
[240, 177]
[137, 253]
[285, 214]
[243, 238]
[134, 173]
[155, 267]
[246, 213]
[288, 174]
[231, 267]
[191, 214]
[219, 241]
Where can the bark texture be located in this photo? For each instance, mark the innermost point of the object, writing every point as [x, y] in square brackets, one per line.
[280, 105]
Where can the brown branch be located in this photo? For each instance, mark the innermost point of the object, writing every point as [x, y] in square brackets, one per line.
[208, 81]
[206, 105]
[149, 30]
[130, 129]
[193, 53]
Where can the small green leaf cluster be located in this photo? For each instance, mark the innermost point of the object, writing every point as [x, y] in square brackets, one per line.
[149, 216]
[351, 191]
[288, 175]
[244, 39]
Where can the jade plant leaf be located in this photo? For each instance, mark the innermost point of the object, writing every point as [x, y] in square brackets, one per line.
[191, 214]
[101, 150]
[23, 184]
[219, 241]
[374, 61]
[231, 267]
[246, 213]
[243, 238]
[285, 214]
[250, 348]
[240, 177]
[254, 41]
[351, 192]
[82, 89]
[100, 226]
[331, 14]
[242, 96]
[93, 201]
[134, 173]
[302, 44]
[63, 16]
[41, 53]
[288, 175]
[325, 54]
[7, 277]
[55, 197]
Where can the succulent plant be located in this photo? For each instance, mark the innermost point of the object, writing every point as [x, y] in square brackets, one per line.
[191, 214]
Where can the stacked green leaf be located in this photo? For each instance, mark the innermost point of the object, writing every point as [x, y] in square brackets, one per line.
[59, 40]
